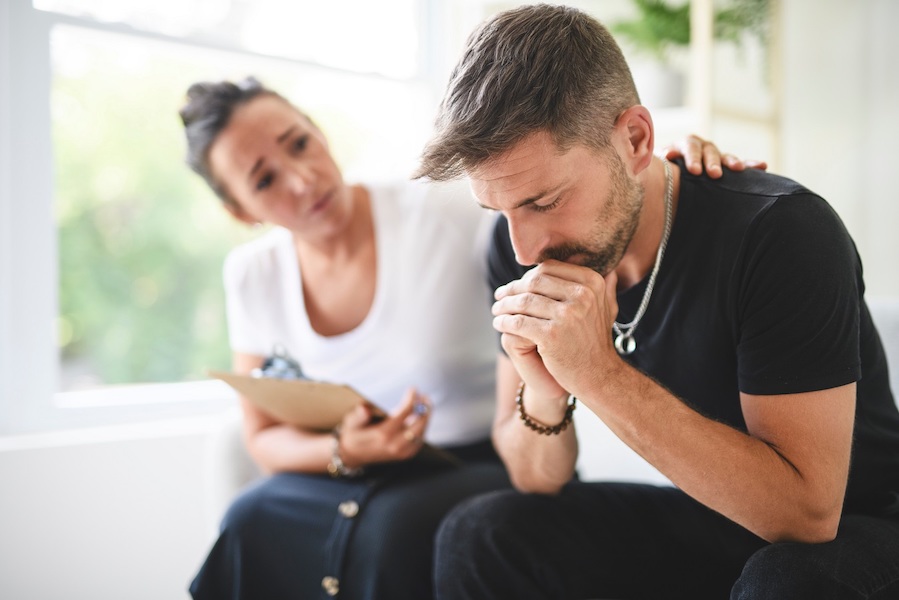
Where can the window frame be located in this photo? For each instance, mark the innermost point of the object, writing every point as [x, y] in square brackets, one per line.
[29, 272]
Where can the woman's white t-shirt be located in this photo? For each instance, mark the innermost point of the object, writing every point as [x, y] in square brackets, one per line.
[429, 326]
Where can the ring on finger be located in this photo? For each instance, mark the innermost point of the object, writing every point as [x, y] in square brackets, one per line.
[410, 437]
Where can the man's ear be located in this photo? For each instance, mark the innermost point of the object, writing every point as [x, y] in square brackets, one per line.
[636, 138]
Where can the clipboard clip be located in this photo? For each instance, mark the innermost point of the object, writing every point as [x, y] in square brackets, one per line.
[280, 365]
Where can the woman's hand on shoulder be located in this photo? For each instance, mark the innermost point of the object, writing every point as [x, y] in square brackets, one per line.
[399, 436]
[698, 153]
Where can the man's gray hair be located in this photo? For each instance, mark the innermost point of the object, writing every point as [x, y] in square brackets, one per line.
[529, 69]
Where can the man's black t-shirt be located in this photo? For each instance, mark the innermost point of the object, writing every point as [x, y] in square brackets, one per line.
[760, 291]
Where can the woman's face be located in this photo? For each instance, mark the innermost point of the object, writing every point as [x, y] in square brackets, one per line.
[276, 166]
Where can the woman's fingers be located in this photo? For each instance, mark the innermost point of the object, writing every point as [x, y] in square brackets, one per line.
[357, 418]
[700, 154]
[406, 408]
[691, 150]
[406, 426]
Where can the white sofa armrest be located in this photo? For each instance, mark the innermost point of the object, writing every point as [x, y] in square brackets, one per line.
[227, 467]
[885, 312]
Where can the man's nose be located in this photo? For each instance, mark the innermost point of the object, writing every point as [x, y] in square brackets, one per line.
[528, 241]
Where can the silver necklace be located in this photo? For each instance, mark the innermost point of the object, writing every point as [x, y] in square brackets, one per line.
[625, 343]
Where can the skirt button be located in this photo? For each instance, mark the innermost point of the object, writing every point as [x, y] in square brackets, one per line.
[331, 585]
[348, 509]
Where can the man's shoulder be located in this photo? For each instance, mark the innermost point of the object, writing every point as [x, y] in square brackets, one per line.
[749, 189]
[755, 199]
[787, 206]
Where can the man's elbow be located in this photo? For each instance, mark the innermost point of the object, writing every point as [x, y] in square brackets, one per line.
[527, 483]
[803, 535]
[813, 527]
[526, 473]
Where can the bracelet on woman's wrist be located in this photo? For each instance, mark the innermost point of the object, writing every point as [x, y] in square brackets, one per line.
[336, 468]
[536, 425]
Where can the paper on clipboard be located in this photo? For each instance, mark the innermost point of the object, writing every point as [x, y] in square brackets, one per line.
[302, 402]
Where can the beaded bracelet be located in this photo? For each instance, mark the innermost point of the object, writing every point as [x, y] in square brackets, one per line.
[336, 468]
[540, 428]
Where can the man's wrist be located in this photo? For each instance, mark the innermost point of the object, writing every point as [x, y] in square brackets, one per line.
[541, 407]
[566, 405]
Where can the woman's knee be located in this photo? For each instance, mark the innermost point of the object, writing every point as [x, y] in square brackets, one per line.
[244, 510]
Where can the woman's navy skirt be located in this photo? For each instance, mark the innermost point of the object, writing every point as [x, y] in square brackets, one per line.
[301, 536]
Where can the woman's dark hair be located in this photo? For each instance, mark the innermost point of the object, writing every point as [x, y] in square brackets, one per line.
[207, 112]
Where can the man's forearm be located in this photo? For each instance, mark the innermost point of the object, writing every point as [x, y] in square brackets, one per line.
[536, 463]
[743, 477]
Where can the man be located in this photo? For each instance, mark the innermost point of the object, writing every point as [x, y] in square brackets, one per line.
[717, 327]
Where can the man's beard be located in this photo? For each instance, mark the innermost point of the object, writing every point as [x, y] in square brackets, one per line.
[624, 202]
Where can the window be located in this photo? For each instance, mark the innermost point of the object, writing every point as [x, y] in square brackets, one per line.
[141, 239]
[110, 248]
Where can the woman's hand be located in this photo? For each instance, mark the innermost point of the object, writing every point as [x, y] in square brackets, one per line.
[396, 437]
[698, 152]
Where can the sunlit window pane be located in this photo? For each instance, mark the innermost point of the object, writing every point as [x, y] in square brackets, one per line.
[141, 239]
[358, 35]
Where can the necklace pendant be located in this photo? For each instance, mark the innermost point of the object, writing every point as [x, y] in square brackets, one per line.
[625, 344]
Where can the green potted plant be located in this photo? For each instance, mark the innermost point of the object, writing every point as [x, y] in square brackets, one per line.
[661, 29]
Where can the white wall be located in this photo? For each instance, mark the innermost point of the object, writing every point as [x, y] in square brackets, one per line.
[840, 121]
[105, 514]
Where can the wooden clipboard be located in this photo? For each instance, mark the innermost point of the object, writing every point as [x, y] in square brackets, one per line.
[321, 406]
[301, 402]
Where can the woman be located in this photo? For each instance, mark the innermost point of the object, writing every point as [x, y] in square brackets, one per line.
[379, 287]
[401, 315]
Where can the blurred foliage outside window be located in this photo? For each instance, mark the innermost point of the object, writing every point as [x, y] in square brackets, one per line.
[141, 238]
